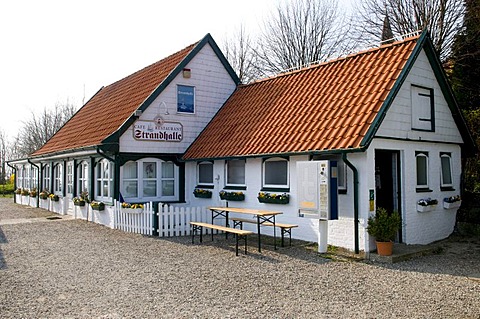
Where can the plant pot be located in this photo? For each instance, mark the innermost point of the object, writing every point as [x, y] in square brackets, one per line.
[283, 201]
[384, 248]
[132, 210]
[79, 203]
[424, 209]
[203, 195]
[233, 197]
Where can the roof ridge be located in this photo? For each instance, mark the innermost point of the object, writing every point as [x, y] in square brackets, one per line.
[336, 60]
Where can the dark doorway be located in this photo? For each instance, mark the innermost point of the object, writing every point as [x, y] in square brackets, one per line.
[387, 181]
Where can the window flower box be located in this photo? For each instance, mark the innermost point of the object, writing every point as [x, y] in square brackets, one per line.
[132, 208]
[43, 195]
[97, 205]
[25, 192]
[54, 198]
[273, 198]
[426, 205]
[232, 196]
[78, 201]
[452, 202]
[202, 193]
[33, 192]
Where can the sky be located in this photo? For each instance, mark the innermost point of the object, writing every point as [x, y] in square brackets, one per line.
[57, 51]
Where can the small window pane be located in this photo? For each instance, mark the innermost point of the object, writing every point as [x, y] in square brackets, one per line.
[422, 168]
[131, 189]
[236, 172]
[168, 188]
[149, 188]
[167, 170]
[130, 170]
[149, 170]
[446, 170]
[276, 173]
[205, 173]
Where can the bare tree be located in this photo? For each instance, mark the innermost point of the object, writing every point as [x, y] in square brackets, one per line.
[442, 18]
[3, 157]
[240, 53]
[299, 33]
[37, 130]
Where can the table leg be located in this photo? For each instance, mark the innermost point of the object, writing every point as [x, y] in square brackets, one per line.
[259, 235]
[274, 234]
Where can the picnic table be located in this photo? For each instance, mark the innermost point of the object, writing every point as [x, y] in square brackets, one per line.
[262, 216]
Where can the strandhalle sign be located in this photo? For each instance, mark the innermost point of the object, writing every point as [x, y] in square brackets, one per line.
[153, 131]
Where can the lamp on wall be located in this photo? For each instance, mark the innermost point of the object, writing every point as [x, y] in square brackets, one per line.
[165, 105]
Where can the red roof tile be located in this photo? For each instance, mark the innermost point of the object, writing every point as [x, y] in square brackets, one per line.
[324, 107]
[105, 112]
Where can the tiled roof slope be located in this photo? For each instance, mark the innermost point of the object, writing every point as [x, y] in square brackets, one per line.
[329, 106]
[106, 111]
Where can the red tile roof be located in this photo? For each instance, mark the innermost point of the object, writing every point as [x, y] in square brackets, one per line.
[105, 112]
[329, 106]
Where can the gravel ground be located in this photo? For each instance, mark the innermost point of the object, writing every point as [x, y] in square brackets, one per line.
[77, 269]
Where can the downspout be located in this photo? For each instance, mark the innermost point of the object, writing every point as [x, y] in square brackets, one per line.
[14, 181]
[355, 199]
[38, 180]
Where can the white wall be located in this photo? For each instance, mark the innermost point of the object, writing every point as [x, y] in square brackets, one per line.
[213, 85]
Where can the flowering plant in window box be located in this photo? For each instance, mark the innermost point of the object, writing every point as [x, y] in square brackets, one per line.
[43, 194]
[234, 196]
[202, 193]
[18, 191]
[426, 205]
[54, 197]
[25, 192]
[452, 202]
[97, 205]
[33, 192]
[132, 208]
[273, 198]
[81, 200]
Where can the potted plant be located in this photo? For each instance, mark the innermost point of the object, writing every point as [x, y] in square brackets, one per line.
[81, 200]
[384, 227]
[18, 191]
[54, 197]
[25, 192]
[43, 194]
[273, 198]
[97, 205]
[202, 193]
[33, 192]
[132, 208]
[234, 196]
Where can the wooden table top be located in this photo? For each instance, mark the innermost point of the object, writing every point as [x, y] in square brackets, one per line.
[258, 212]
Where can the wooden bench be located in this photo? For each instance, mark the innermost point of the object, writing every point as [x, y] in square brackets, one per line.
[285, 228]
[239, 233]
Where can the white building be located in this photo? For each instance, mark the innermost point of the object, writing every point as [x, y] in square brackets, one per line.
[386, 115]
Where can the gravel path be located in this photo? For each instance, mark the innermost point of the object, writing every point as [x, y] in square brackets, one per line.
[77, 269]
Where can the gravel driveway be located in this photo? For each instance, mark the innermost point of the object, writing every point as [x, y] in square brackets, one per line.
[77, 269]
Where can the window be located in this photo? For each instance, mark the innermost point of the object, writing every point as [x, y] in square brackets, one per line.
[46, 177]
[235, 173]
[422, 109]
[104, 177]
[422, 170]
[130, 180]
[151, 179]
[26, 177]
[342, 176]
[83, 178]
[34, 183]
[446, 172]
[20, 177]
[69, 178]
[185, 99]
[205, 173]
[275, 173]
[58, 179]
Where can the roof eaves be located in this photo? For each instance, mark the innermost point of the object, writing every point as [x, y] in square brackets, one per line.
[372, 130]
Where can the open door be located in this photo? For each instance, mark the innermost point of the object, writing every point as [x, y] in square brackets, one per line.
[387, 182]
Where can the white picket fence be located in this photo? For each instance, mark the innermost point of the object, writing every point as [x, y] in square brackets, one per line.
[175, 221]
[133, 220]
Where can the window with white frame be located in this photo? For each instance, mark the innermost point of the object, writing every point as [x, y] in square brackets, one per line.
[205, 173]
[235, 171]
[446, 172]
[26, 177]
[276, 173]
[104, 178]
[46, 177]
[70, 178]
[58, 179]
[83, 178]
[34, 177]
[422, 109]
[422, 170]
[149, 179]
[20, 172]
